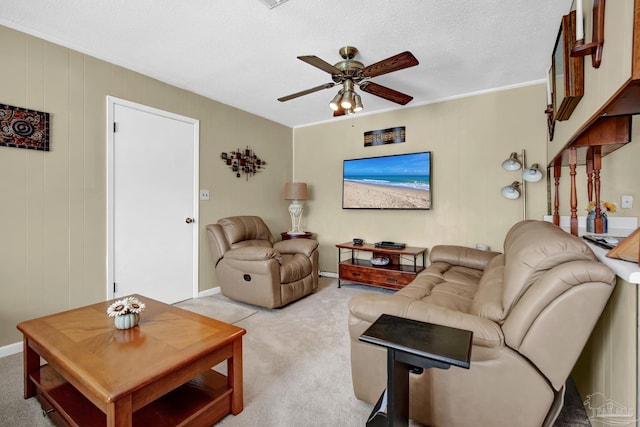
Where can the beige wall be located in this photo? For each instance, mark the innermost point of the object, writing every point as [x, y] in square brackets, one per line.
[469, 138]
[53, 204]
[608, 363]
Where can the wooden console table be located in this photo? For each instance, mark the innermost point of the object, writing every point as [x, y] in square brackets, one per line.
[394, 275]
[412, 344]
[154, 374]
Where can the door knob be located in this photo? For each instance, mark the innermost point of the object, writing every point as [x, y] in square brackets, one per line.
[190, 220]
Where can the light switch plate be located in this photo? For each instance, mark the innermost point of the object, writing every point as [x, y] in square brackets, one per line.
[204, 194]
[626, 201]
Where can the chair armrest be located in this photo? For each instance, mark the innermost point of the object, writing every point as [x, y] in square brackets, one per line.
[218, 244]
[296, 246]
[369, 306]
[462, 256]
[252, 253]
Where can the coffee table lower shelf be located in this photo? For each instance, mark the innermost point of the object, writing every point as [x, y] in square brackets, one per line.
[201, 402]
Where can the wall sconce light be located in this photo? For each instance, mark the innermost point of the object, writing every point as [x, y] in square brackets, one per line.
[296, 192]
[549, 111]
[597, 36]
[518, 189]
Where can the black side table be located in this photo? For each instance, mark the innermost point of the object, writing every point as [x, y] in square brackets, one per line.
[412, 344]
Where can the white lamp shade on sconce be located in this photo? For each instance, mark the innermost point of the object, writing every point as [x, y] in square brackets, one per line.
[532, 174]
[512, 163]
[511, 191]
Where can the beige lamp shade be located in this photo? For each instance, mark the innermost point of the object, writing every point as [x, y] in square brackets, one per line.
[295, 191]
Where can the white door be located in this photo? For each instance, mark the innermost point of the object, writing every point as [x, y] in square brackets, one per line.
[153, 184]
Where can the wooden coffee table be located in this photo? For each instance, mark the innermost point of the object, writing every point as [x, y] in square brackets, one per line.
[158, 373]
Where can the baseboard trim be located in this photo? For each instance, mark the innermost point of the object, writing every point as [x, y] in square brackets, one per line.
[11, 349]
[328, 274]
[209, 292]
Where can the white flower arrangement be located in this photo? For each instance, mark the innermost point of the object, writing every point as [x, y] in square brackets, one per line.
[126, 306]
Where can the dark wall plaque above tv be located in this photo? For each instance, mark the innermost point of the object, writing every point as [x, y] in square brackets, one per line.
[401, 181]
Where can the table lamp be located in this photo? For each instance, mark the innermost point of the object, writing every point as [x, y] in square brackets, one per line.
[295, 191]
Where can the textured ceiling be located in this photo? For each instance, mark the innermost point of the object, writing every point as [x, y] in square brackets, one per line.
[243, 54]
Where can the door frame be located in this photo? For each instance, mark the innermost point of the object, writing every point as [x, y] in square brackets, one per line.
[112, 102]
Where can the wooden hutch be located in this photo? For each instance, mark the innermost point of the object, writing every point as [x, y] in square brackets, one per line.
[602, 120]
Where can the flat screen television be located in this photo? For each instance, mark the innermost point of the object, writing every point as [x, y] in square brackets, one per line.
[401, 181]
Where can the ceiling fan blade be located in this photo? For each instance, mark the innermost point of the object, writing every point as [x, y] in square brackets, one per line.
[306, 92]
[386, 93]
[394, 63]
[320, 63]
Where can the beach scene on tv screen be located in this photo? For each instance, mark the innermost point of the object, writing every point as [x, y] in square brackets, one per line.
[390, 182]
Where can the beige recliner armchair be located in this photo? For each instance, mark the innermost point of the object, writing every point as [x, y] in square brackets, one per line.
[531, 310]
[251, 267]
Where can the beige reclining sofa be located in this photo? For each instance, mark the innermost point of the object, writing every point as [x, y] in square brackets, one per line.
[252, 267]
[531, 310]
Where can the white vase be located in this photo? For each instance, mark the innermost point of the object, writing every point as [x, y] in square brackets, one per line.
[126, 321]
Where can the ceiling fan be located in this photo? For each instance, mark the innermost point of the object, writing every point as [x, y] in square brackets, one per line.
[350, 73]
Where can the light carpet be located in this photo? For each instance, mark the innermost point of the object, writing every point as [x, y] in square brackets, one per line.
[295, 359]
[218, 307]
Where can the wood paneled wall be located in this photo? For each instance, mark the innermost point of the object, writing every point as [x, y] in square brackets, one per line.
[53, 204]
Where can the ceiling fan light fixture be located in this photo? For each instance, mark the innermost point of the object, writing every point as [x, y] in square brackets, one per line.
[347, 100]
[350, 73]
[335, 102]
[358, 103]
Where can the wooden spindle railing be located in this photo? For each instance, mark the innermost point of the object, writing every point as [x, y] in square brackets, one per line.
[598, 223]
[589, 166]
[573, 200]
[557, 172]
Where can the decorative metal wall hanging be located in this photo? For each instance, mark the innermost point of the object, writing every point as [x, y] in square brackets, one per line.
[243, 162]
[23, 128]
[384, 136]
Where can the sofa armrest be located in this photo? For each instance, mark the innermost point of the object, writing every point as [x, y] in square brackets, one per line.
[462, 256]
[369, 306]
[296, 246]
[251, 253]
